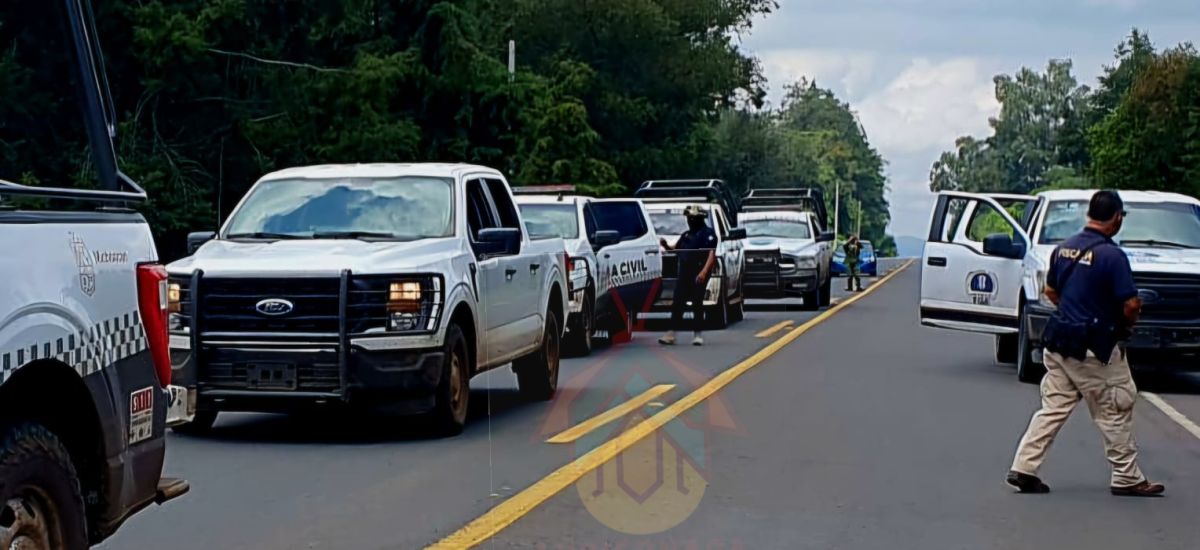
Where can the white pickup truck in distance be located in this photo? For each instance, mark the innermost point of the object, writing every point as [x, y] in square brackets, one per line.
[614, 263]
[788, 251]
[380, 285]
[986, 259]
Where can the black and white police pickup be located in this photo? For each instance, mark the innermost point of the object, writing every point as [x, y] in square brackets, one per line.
[382, 285]
[788, 251]
[725, 297]
[85, 395]
[614, 263]
[980, 279]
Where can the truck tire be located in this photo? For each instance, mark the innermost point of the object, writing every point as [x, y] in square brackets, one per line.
[537, 373]
[1006, 348]
[579, 343]
[1027, 371]
[738, 312]
[452, 399]
[41, 501]
[201, 424]
[826, 295]
[717, 318]
[812, 300]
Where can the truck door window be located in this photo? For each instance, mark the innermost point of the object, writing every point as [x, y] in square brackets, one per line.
[722, 229]
[505, 209]
[589, 221]
[986, 220]
[623, 217]
[479, 210]
[954, 214]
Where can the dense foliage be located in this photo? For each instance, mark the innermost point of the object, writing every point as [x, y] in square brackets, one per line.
[211, 94]
[1140, 129]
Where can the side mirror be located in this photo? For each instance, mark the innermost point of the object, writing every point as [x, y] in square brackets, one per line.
[196, 239]
[1002, 245]
[499, 241]
[825, 237]
[605, 238]
[737, 234]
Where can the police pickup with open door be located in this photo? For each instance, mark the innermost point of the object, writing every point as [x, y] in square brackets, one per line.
[614, 263]
[788, 251]
[985, 262]
[725, 297]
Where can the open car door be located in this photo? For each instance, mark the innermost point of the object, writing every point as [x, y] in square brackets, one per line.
[971, 269]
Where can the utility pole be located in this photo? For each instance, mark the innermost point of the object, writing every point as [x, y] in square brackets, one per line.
[512, 60]
[858, 229]
[837, 203]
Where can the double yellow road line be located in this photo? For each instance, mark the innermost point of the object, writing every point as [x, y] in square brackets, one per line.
[509, 511]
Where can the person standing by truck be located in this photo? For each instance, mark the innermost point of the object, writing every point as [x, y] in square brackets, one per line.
[853, 250]
[1091, 282]
[697, 254]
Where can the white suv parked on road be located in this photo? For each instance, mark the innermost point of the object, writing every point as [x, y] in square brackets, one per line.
[388, 285]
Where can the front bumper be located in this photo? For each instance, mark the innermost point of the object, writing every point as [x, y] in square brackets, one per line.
[785, 285]
[275, 376]
[1153, 343]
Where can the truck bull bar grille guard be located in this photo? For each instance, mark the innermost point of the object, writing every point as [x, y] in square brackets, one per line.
[360, 310]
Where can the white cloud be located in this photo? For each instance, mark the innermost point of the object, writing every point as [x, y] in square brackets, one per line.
[911, 115]
[928, 105]
[846, 72]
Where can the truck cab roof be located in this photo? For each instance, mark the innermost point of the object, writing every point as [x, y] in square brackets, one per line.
[1127, 196]
[380, 170]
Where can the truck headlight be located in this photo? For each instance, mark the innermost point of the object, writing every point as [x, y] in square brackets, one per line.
[806, 263]
[1040, 285]
[404, 305]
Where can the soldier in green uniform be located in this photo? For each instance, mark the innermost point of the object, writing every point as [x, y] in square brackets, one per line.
[853, 250]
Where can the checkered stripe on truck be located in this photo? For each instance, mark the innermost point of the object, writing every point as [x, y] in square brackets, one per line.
[86, 351]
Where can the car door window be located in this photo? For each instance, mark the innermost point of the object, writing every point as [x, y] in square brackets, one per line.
[722, 228]
[986, 220]
[623, 217]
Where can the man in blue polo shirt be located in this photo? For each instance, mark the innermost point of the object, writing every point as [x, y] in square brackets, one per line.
[1090, 281]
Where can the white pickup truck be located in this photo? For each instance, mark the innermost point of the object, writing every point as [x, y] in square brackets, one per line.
[788, 251]
[725, 296]
[614, 263]
[984, 269]
[384, 285]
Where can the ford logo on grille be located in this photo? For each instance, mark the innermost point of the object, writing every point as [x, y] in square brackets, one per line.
[274, 307]
[1148, 296]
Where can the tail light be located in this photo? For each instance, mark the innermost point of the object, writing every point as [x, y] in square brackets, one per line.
[153, 306]
[567, 261]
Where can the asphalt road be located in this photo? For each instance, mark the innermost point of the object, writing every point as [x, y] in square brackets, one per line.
[865, 431]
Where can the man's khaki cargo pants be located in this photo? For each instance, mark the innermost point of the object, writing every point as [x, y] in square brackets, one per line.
[1109, 392]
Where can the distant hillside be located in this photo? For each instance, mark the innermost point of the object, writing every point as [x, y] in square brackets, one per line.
[909, 247]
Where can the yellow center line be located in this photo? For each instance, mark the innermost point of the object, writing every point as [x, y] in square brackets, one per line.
[586, 427]
[778, 327]
[504, 514]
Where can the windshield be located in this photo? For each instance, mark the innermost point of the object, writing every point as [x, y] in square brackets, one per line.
[551, 220]
[783, 229]
[407, 208]
[1145, 224]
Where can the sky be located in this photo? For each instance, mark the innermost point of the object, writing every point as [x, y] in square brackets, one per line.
[919, 72]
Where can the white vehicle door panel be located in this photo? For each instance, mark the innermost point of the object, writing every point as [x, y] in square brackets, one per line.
[631, 266]
[962, 287]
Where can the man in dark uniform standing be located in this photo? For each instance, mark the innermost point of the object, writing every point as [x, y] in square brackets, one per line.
[1090, 281]
[696, 251]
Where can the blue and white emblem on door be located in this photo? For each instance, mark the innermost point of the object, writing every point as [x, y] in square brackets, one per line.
[981, 288]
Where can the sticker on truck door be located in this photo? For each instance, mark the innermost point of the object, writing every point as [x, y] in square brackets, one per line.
[981, 287]
[141, 415]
